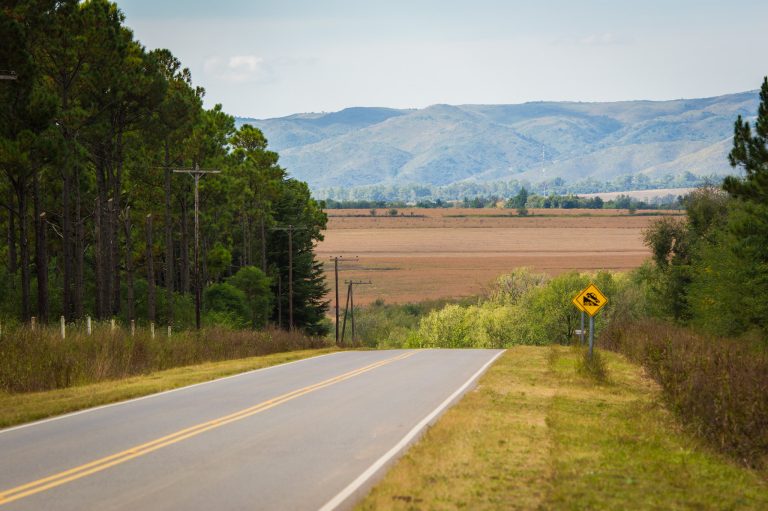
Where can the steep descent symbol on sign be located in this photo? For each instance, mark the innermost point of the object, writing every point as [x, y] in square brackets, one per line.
[590, 300]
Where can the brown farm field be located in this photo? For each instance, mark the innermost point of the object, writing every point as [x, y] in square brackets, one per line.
[423, 254]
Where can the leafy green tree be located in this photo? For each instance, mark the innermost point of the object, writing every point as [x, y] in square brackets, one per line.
[257, 288]
[224, 303]
[219, 260]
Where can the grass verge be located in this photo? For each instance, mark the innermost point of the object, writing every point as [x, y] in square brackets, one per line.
[25, 407]
[536, 434]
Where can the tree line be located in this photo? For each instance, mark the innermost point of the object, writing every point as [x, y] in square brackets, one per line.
[417, 192]
[96, 221]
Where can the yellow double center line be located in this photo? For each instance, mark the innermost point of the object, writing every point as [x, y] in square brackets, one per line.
[46, 483]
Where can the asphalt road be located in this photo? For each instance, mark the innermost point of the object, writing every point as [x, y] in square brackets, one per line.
[307, 435]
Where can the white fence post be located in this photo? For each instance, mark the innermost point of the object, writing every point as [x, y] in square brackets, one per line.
[169, 330]
[88, 325]
[133, 327]
[63, 328]
[32, 323]
[152, 328]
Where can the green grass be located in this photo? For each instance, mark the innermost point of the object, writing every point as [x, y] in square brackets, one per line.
[538, 434]
[24, 407]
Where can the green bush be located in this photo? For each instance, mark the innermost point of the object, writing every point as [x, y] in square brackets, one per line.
[255, 284]
[718, 386]
[228, 304]
[594, 367]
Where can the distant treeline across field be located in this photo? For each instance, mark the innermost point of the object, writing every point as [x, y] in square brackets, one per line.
[521, 201]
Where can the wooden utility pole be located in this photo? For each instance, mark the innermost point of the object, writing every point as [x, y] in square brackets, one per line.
[289, 229]
[350, 308]
[196, 173]
[336, 260]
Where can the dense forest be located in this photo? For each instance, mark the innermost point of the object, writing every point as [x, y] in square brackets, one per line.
[96, 221]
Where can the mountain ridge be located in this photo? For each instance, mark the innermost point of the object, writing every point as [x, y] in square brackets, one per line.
[530, 142]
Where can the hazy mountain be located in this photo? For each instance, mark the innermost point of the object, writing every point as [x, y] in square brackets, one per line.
[444, 144]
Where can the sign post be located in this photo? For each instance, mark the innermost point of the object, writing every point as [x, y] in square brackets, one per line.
[579, 306]
[590, 300]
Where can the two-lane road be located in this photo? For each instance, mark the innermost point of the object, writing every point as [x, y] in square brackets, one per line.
[307, 435]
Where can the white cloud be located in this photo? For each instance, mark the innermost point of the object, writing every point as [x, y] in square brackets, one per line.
[237, 68]
[605, 39]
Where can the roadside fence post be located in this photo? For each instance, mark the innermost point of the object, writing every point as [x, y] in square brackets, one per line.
[169, 330]
[152, 328]
[133, 327]
[112, 324]
[582, 328]
[88, 329]
[32, 323]
[591, 334]
[63, 327]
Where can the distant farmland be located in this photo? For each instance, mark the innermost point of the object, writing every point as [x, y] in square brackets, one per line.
[437, 253]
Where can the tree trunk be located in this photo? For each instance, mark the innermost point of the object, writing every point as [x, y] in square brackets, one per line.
[244, 257]
[99, 266]
[129, 264]
[263, 245]
[184, 256]
[169, 275]
[150, 273]
[203, 281]
[41, 255]
[12, 257]
[117, 177]
[78, 289]
[66, 241]
[13, 265]
[21, 194]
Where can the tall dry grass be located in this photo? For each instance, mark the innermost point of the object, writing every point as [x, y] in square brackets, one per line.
[41, 360]
[718, 386]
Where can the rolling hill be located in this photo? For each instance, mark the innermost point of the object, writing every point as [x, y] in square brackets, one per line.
[443, 144]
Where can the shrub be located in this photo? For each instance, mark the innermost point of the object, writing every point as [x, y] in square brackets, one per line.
[718, 386]
[256, 287]
[510, 287]
[229, 303]
[594, 367]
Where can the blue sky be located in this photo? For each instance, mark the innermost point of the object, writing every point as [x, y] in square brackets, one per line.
[267, 58]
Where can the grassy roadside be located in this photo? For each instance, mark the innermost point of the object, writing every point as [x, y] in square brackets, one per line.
[25, 407]
[535, 434]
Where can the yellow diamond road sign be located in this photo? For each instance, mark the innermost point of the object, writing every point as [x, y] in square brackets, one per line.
[577, 303]
[590, 300]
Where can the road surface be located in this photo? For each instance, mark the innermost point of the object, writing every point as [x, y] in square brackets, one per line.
[312, 434]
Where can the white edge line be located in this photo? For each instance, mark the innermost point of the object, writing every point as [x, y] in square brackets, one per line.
[156, 394]
[382, 462]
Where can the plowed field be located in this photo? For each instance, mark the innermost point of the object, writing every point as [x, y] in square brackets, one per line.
[440, 253]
